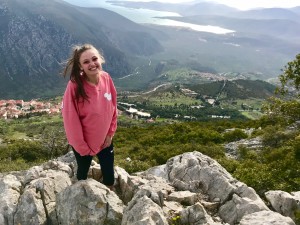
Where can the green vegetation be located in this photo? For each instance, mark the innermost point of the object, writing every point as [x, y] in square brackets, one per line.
[30, 141]
[140, 146]
[237, 99]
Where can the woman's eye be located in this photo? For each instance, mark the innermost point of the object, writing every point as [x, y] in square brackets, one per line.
[95, 59]
[86, 62]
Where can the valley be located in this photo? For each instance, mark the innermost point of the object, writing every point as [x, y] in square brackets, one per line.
[194, 102]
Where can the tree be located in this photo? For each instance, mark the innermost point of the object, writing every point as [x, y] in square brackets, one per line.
[290, 76]
[287, 109]
[53, 141]
[282, 110]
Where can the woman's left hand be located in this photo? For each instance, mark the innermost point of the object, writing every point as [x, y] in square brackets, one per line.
[107, 142]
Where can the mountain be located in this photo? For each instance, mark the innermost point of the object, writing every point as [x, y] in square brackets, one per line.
[269, 31]
[262, 40]
[270, 13]
[36, 38]
[207, 8]
[184, 9]
[269, 22]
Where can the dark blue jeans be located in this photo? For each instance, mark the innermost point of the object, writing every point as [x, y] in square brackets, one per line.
[106, 160]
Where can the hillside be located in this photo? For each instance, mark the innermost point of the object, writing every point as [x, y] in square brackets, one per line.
[36, 38]
[236, 89]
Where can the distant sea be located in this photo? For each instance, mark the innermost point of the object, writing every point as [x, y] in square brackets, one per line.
[148, 16]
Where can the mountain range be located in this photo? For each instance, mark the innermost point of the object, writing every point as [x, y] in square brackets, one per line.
[37, 36]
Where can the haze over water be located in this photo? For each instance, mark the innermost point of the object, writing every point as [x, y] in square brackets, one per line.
[148, 16]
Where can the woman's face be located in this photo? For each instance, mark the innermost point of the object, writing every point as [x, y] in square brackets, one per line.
[90, 63]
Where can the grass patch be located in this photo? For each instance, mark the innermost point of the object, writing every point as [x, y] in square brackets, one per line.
[253, 115]
[18, 135]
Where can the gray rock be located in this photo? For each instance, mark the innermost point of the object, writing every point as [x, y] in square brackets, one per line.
[283, 202]
[196, 215]
[183, 197]
[266, 218]
[37, 203]
[88, 202]
[143, 211]
[10, 191]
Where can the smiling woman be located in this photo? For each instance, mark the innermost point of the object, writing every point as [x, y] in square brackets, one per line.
[90, 112]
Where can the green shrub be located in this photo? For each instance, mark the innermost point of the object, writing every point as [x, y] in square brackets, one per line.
[17, 165]
[255, 175]
[296, 146]
[27, 150]
[275, 136]
[132, 166]
[235, 135]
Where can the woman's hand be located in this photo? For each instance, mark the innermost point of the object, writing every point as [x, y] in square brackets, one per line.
[107, 142]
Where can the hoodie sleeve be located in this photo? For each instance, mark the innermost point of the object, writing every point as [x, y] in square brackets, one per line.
[113, 125]
[72, 122]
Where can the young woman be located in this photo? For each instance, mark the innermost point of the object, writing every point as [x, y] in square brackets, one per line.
[89, 110]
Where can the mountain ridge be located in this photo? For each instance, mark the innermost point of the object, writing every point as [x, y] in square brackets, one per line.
[39, 35]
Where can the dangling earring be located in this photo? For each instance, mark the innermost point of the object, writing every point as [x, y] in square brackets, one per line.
[81, 72]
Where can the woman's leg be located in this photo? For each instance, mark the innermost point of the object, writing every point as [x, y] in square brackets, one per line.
[106, 160]
[83, 165]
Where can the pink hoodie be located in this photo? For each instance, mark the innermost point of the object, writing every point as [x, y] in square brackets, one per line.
[87, 123]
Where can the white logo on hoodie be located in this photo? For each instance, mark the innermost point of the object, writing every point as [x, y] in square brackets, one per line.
[107, 96]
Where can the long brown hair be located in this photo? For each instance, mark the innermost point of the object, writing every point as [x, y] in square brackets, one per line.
[73, 68]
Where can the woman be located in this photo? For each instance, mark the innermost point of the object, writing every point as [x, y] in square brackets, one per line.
[89, 112]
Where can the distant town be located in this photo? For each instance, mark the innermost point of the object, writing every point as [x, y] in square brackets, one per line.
[12, 109]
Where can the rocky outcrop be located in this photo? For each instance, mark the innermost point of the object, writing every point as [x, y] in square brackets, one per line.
[189, 189]
[284, 203]
[88, 202]
[232, 147]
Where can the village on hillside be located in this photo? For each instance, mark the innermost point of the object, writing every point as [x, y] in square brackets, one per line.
[12, 109]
